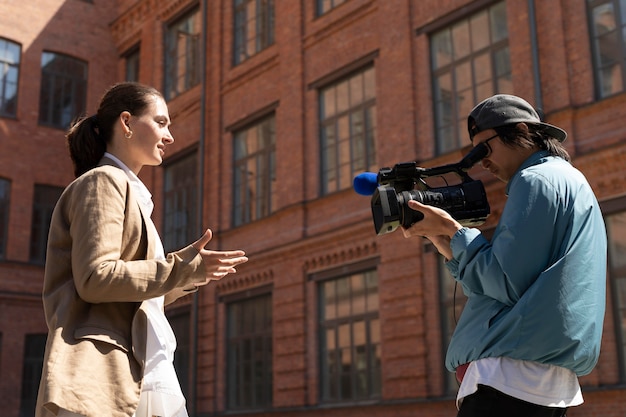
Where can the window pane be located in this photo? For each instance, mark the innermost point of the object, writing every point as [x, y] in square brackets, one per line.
[441, 46]
[497, 20]
[329, 308]
[503, 71]
[463, 77]
[369, 84]
[356, 90]
[480, 31]
[461, 40]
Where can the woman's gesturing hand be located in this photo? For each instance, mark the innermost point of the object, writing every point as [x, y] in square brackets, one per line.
[218, 264]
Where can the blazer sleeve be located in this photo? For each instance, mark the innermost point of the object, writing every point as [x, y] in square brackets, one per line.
[104, 220]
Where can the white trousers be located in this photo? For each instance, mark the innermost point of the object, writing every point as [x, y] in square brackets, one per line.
[65, 413]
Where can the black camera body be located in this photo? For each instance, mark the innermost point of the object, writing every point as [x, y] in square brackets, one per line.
[466, 202]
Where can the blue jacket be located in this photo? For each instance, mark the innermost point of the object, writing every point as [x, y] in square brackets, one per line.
[536, 292]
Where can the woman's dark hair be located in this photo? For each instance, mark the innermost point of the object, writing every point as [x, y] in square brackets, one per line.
[511, 136]
[88, 137]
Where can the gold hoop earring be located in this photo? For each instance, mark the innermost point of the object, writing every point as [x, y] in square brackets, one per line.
[128, 134]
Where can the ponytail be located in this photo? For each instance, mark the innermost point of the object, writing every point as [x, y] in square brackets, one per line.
[85, 144]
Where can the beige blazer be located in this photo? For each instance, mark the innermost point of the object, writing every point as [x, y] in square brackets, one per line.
[99, 269]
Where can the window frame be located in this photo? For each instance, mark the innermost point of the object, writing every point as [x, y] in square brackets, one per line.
[332, 164]
[44, 202]
[50, 79]
[325, 6]
[32, 368]
[453, 120]
[180, 321]
[620, 40]
[264, 294]
[373, 373]
[191, 77]
[611, 208]
[5, 69]
[5, 208]
[132, 63]
[184, 191]
[246, 208]
[264, 26]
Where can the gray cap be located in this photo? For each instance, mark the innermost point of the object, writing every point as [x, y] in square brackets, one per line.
[505, 109]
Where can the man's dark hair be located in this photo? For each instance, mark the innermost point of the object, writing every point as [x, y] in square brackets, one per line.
[513, 136]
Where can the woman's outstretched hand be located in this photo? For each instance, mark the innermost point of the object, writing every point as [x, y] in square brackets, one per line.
[218, 264]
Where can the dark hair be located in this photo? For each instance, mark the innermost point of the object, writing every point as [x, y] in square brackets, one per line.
[512, 136]
[87, 138]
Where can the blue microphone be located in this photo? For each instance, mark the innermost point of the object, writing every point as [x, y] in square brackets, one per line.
[365, 183]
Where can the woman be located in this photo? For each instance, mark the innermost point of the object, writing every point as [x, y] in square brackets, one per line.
[110, 348]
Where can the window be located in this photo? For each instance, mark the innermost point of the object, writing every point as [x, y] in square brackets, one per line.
[608, 26]
[63, 89]
[5, 198]
[181, 203]
[132, 65]
[616, 230]
[348, 130]
[180, 322]
[255, 171]
[10, 55]
[349, 334]
[34, 347]
[249, 355]
[323, 6]
[470, 62]
[254, 27]
[45, 199]
[183, 55]
[452, 301]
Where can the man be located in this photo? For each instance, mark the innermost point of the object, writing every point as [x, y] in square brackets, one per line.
[536, 292]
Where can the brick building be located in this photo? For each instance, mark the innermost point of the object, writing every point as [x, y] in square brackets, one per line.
[276, 105]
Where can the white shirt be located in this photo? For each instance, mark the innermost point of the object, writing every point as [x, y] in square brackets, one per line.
[160, 391]
[533, 382]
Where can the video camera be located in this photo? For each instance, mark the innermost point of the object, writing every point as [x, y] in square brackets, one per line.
[466, 202]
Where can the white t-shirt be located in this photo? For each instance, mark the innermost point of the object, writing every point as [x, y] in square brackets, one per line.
[533, 382]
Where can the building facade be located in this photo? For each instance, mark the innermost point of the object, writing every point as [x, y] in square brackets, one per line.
[276, 106]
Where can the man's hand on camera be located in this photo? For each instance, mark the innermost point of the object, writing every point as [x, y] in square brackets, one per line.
[437, 226]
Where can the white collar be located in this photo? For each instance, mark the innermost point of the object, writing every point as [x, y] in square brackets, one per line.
[144, 195]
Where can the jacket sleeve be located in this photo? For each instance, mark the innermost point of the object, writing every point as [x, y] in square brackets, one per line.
[521, 248]
[104, 219]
